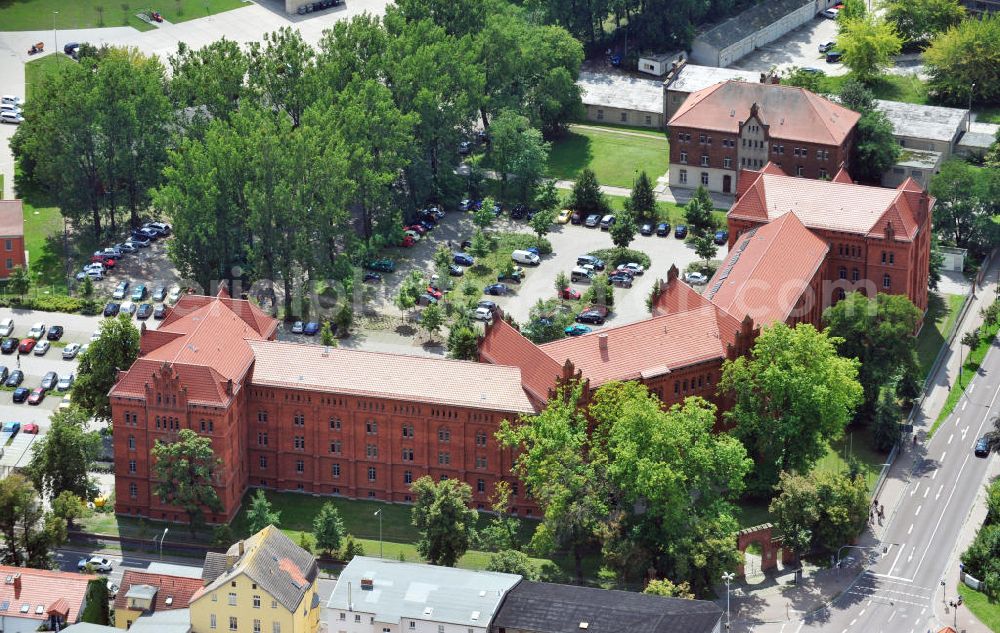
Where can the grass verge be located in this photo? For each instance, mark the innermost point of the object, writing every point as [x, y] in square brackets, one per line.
[615, 158]
[43, 228]
[36, 70]
[973, 359]
[38, 15]
[905, 88]
[980, 605]
[942, 310]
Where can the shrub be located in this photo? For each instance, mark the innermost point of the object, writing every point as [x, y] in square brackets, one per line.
[615, 256]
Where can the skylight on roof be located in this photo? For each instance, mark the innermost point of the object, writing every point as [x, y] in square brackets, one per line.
[39, 610]
[25, 607]
[4, 605]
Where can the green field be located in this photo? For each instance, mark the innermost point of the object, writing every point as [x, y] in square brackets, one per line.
[980, 605]
[37, 15]
[906, 88]
[856, 443]
[614, 157]
[37, 69]
[942, 310]
[43, 239]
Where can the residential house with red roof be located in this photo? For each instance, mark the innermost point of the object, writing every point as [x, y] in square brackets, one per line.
[305, 418]
[41, 599]
[12, 253]
[143, 594]
[736, 125]
[878, 239]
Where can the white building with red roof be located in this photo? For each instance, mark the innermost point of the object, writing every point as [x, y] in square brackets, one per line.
[34, 598]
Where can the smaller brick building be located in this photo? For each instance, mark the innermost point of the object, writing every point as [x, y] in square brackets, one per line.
[12, 253]
[735, 125]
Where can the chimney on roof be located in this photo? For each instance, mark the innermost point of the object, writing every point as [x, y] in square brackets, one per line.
[241, 547]
[602, 341]
[763, 78]
[17, 585]
[229, 391]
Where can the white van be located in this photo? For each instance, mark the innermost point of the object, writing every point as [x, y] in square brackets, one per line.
[581, 274]
[525, 257]
[11, 100]
[6, 327]
[10, 117]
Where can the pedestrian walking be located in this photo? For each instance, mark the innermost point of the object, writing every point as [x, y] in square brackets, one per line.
[19, 359]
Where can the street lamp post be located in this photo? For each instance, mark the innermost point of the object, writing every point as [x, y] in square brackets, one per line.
[728, 577]
[55, 34]
[968, 122]
[944, 592]
[163, 536]
[378, 513]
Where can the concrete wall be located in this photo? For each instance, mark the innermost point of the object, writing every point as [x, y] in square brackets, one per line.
[604, 114]
[709, 55]
[292, 6]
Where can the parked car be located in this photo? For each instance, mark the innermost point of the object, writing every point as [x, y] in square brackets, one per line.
[65, 383]
[632, 268]
[21, 394]
[37, 331]
[12, 118]
[581, 273]
[96, 563]
[297, 327]
[9, 345]
[590, 260]
[138, 241]
[162, 228]
[593, 314]
[426, 300]
[11, 427]
[681, 231]
[50, 380]
[42, 347]
[663, 229]
[576, 218]
[463, 259]
[982, 448]
[120, 290]
[570, 293]
[526, 257]
[12, 100]
[833, 57]
[159, 294]
[482, 314]
[592, 221]
[15, 379]
[36, 396]
[464, 147]
[621, 279]
[825, 46]
[578, 329]
[563, 216]
[465, 204]
[721, 237]
[518, 212]
[70, 351]
[4, 373]
[455, 271]
[30, 428]
[174, 294]
[112, 309]
[128, 307]
[384, 265]
[139, 292]
[695, 278]
[831, 13]
[127, 247]
[27, 344]
[607, 222]
[144, 312]
[434, 292]
[499, 290]
[160, 312]
[6, 327]
[311, 328]
[516, 275]
[55, 333]
[646, 229]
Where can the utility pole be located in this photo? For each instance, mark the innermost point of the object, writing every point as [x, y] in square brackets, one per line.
[55, 34]
[378, 513]
[728, 577]
[163, 536]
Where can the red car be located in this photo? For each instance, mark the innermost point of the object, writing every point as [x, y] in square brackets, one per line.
[31, 428]
[101, 259]
[37, 395]
[419, 228]
[434, 292]
[407, 241]
[26, 345]
[569, 293]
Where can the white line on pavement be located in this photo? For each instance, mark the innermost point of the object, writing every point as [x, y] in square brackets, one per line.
[941, 516]
[926, 490]
[934, 475]
[853, 622]
[965, 404]
[914, 489]
[909, 530]
[951, 437]
[889, 575]
[891, 616]
[938, 495]
[862, 612]
[917, 513]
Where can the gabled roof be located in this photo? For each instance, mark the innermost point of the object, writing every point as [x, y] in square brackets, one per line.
[11, 218]
[831, 205]
[277, 565]
[176, 590]
[43, 591]
[399, 590]
[382, 375]
[692, 77]
[503, 345]
[550, 608]
[792, 113]
[767, 271]
[649, 348]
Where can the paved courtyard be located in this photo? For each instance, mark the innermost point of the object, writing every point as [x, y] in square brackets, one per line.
[799, 47]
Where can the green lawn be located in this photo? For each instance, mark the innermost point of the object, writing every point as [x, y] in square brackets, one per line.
[942, 310]
[37, 69]
[615, 158]
[906, 88]
[988, 115]
[973, 359]
[857, 443]
[980, 605]
[34, 15]
[43, 238]
[669, 211]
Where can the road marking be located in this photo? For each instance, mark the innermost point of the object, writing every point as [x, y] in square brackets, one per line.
[938, 495]
[943, 456]
[917, 513]
[965, 404]
[917, 621]
[964, 431]
[801, 624]
[941, 515]
[910, 530]
[971, 387]
[853, 622]
[862, 612]
[889, 575]
[934, 475]
[950, 438]
[914, 489]
[926, 490]
[891, 616]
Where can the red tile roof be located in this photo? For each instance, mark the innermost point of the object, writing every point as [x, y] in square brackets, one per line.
[55, 591]
[767, 271]
[11, 218]
[648, 348]
[178, 588]
[677, 296]
[830, 205]
[382, 375]
[791, 113]
[503, 345]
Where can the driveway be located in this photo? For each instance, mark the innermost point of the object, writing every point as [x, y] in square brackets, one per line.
[796, 48]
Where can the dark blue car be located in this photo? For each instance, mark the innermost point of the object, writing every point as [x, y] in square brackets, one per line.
[498, 290]
[681, 231]
[721, 237]
[311, 329]
[21, 394]
[464, 259]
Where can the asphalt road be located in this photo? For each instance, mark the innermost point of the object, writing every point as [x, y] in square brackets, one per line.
[901, 591]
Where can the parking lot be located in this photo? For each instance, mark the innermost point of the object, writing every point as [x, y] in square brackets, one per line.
[799, 47]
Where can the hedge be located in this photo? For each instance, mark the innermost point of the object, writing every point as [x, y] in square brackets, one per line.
[615, 256]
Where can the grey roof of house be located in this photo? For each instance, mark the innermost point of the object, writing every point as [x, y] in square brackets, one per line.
[621, 91]
[745, 24]
[215, 565]
[87, 627]
[977, 140]
[919, 158]
[171, 569]
[693, 77]
[273, 561]
[923, 121]
[142, 592]
[549, 608]
[421, 592]
[172, 621]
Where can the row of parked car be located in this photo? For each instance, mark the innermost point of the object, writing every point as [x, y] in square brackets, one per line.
[103, 260]
[131, 302]
[10, 109]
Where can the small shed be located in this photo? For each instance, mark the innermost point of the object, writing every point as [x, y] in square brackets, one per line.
[954, 258]
[658, 64]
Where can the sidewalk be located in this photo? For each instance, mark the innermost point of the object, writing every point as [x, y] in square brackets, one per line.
[777, 600]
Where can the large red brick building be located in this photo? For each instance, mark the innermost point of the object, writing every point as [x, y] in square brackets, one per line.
[12, 253]
[737, 125]
[305, 417]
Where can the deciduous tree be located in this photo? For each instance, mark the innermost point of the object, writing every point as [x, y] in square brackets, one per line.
[964, 56]
[868, 43]
[115, 349]
[875, 147]
[920, 21]
[328, 528]
[185, 471]
[966, 205]
[62, 457]
[432, 318]
[445, 522]
[511, 561]
[623, 230]
[698, 212]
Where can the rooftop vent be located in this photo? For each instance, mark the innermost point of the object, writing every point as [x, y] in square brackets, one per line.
[25, 607]
[428, 611]
[585, 625]
[367, 584]
[602, 341]
[482, 594]
[475, 615]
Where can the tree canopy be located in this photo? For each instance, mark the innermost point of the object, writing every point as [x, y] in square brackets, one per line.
[445, 522]
[967, 55]
[62, 457]
[115, 349]
[917, 22]
[185, 472]
[868, 44]
[967, 201]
